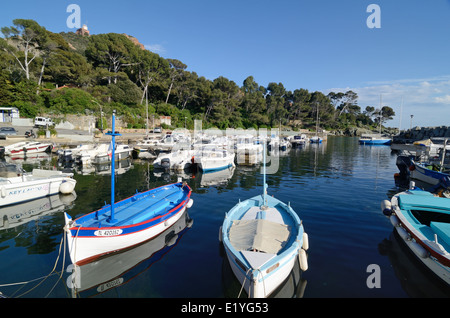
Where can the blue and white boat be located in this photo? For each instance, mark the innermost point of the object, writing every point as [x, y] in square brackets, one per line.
[126, 223]
[428, 172]
[209, 160]
[315, 140]
[262, 238]
[422, 220]
[374, 139]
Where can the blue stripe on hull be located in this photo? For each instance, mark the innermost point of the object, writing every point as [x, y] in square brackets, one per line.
[217, 169]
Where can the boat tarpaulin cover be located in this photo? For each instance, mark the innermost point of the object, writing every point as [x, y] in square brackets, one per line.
[258, 234]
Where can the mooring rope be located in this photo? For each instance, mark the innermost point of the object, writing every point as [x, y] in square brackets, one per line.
[42, 278]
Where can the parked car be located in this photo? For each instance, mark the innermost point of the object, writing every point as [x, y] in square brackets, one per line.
[157, 130]
[43, 122]
[7, 131]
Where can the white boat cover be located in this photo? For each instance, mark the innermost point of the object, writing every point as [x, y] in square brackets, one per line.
[258, 235]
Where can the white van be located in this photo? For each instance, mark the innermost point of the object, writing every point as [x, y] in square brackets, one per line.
[43, 122]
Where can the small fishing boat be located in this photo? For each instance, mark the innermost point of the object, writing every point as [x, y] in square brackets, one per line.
[262, 237]
[127, 223]
[299, 140]
[374, 139]
[27, 147]
[315, 140]
[209, 160]
[428, 172]
[422, 220]
[17, 185]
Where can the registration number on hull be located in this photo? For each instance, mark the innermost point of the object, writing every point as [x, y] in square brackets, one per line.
[108, 232]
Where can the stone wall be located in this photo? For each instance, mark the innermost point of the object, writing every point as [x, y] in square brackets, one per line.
[420, 133]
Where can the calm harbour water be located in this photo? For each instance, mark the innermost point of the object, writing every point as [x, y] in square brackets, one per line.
[336, 188]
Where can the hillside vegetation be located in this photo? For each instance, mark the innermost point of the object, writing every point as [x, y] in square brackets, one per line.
[64, 73]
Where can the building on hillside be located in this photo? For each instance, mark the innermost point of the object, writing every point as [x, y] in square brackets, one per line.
[8, 113]
[83, 30]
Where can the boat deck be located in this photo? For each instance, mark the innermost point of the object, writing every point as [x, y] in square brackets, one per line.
[138, 208]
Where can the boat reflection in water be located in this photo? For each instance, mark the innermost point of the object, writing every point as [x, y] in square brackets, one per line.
[416, 279]
[15, 215]
[117, 269]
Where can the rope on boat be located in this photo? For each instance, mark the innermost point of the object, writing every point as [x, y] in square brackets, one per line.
[243, 283]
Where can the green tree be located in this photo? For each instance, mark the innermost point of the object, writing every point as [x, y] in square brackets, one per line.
[176, 72]
[24, 41]
[112, 52]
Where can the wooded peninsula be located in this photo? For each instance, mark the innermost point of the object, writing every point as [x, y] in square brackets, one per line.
[46, 73]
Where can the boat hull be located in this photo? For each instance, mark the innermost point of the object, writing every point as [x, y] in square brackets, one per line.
[375, 142]
[209, 164]
[424, 174]
[88, 243]
[17, 192]
[263, 284]
[23, 148]
[428, 242]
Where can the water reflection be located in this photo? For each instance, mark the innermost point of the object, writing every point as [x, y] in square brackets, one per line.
[416, 279]
[12, 216]
[116, 270]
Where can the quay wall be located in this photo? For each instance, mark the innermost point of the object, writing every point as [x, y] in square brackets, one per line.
[420, 133]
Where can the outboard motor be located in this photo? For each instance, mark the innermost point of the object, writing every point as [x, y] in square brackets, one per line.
[165, 163]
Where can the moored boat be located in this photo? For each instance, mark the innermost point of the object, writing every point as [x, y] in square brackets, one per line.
[374, 139]
[262, 237]
[315, 140]
[422, 221]
[209, 160]
[126, 223]
[17, 185]
[27, 147]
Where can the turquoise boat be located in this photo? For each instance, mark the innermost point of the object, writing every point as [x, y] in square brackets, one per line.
[422, 220]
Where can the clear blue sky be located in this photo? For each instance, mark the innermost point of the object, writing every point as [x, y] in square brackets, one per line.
[322, 45]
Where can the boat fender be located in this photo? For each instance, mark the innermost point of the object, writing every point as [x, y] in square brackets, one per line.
[172, 240]
[303, 261]
[190, 203]
[66, 187]
[403, 234]
[305, 244]
[419, 250]
[3, 190]
[220, 234]
[386, 207]
[394, 220]
[412, 168]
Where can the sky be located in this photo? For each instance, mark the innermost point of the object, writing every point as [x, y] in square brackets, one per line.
[397, 54]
